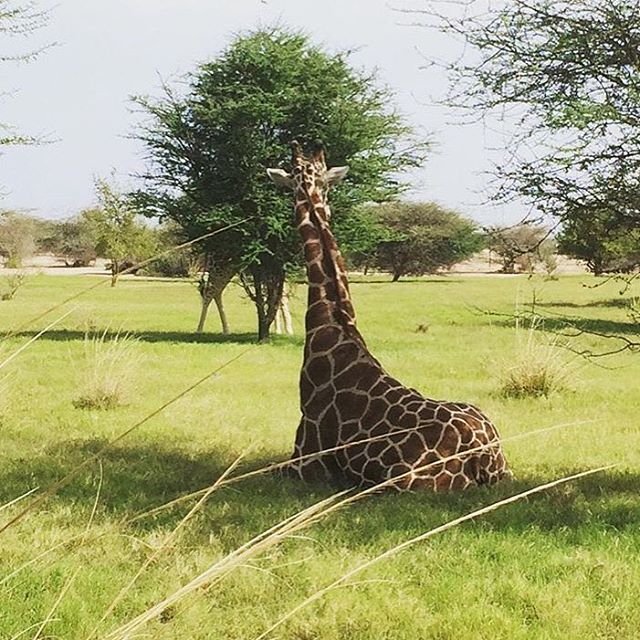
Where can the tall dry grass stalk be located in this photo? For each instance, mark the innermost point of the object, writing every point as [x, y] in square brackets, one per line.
[109, 371]
[539, 367]
[16, 500]
[5, 400]
[237, 558]
[135, 267]
[40, 626]
[279, 532]
[344, 579]
[65, 480]
[81, 538]
[286, 529]
[280, 465]
[56, 604]
[161, 548]
[7, 359]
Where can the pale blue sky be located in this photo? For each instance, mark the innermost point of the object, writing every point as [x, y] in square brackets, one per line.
[77, 93]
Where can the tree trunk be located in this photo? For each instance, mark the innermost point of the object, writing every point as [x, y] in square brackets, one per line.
[265, 289]
[114, 272]
[217, 297]
[396, 277]
[264, 334]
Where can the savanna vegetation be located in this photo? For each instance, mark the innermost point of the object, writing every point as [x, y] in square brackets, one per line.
[565, 77]
[124, 431]
[207, 150]
[562, 564]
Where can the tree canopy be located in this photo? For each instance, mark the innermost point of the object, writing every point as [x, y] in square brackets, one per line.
[568, 75]
[120, 235]
[422, 237]
[17, 20]
[208, 148]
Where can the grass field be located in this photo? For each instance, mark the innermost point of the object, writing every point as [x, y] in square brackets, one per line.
[563, 564]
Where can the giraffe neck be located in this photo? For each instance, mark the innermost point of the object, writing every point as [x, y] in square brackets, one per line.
[329, 301]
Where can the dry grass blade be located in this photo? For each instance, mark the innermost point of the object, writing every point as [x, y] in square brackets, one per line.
[95, 502]
[163, 546]
[83, 537]
[280, 465]
[56, 604]
[271, 537]
[265, 540]
[24, 632]
[4, 395]
[16, 500]
[134, 267]
[424, 536]
[27, 344]
[96, 456]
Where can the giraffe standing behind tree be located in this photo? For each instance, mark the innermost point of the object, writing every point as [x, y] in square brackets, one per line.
[346, 396]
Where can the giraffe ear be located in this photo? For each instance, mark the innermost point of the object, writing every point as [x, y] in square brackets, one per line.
[335, 175]
[281, 178]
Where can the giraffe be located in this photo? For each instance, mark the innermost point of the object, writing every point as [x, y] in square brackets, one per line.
[370, 427]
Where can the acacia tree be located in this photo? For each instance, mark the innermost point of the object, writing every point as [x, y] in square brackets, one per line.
[208, 149]
[568, 75]
[120, 235]
[517, 245]
[601, 243]
[423, 237]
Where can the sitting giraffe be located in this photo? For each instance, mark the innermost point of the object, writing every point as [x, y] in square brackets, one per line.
[347, 397]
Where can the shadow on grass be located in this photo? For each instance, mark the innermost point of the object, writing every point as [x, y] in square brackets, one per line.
[579, 324]
[140, 477]
[611, 303]
[182, 337]
[406, 280]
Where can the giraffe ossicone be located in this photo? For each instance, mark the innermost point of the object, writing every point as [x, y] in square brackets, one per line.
[359, 425]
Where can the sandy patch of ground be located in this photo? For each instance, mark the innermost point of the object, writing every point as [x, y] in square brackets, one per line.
[482, 264]
[486, 263]
[53, 266]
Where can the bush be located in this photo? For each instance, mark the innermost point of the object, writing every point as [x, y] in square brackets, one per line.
[109, 372]
[518, 245]
[602, 243]
[173, 265]
[76, 240]
[537, 369]
[17, 238]
[13, 282]
[423, 237]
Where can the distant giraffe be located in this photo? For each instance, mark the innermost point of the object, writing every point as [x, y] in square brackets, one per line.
[346, 396]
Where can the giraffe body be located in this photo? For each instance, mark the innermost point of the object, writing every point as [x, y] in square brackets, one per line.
[372, 427]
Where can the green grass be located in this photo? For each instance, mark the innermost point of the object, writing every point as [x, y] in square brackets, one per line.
[565, 564]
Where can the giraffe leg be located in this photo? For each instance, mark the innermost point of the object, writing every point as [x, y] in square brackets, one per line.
[488, 467]
[304, 464]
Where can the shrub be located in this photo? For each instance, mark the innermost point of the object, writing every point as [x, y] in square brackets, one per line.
[538, 368]
[172, 265]
[17, 238]
[13, 282]
[109, 371]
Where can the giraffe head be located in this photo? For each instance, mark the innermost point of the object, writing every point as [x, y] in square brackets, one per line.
[309, 175]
